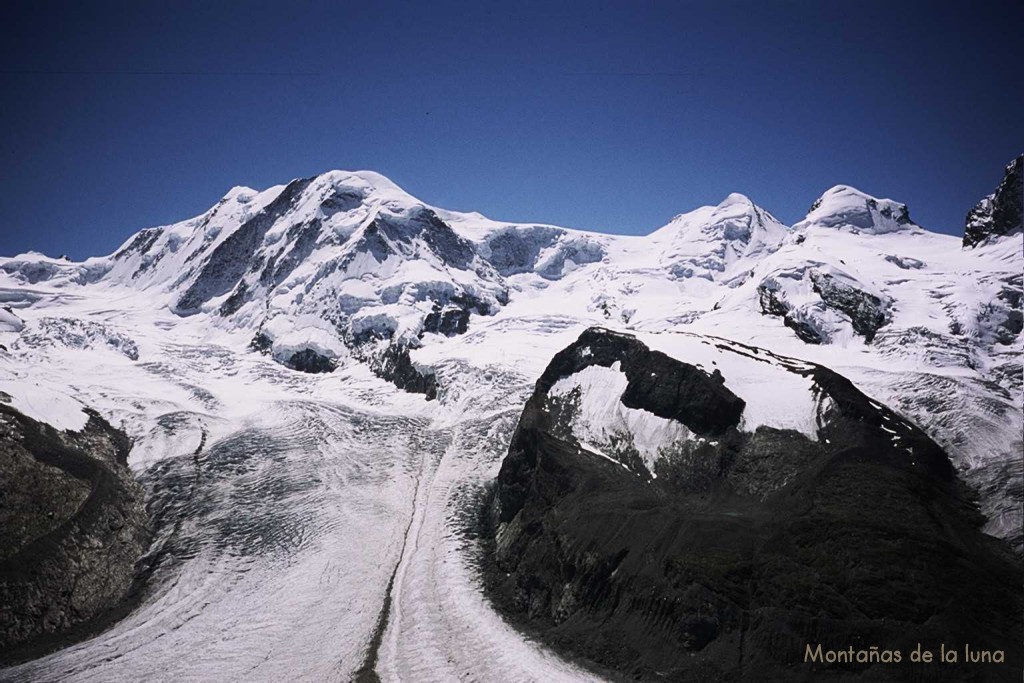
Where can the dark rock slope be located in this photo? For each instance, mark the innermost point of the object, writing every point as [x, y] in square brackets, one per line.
[747, 547]
[1000, 213]
[394, 365]
[72, 526]
[228, 263]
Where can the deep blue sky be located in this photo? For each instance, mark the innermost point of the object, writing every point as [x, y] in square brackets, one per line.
[604, 116]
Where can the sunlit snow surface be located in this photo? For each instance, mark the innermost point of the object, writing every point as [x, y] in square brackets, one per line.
[286, 502]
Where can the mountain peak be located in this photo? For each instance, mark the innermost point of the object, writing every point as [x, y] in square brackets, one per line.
[715, 242]
[1002, 212]
[357, 178]
[365, 183]
[238, 193]
[843, 206]
[733, 205]
[735, 198]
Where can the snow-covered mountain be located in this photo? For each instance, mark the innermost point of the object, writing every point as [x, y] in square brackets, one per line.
[297, 315]
[709, 516]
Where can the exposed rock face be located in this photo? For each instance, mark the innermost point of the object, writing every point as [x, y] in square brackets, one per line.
[1000, 213]
[867, 312]
[140, 244]
[746, 547]
[230, 260]
[308, 360]
[394, 365]
[837, 299]
[773, 302]
[450, 315]
[657, 383]
[72, 526]
[261, 342]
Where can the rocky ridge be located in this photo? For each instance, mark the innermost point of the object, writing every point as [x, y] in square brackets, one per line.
[747, 545]
[72, 526]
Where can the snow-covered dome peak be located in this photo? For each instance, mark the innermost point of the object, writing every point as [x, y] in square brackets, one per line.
[239, 193]
[366, 183]
[844, 206]
[735, 198]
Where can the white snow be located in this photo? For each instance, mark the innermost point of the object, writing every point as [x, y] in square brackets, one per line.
[774, 394]
[313, 339]
[602, 417]
[848, 208]
[9, 322]
[44, 404]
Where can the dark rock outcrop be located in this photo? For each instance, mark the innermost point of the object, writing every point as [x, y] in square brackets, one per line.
[657, 383]
[142, 242]
[226, 265]
[309, 360]
[1000, 213]
[447, 320]
[806, 332]
[450, 315]
[419, 228]
[747, 548]
[773, 302]
[866, 311]
[72, 526]
[394, 365]
[261, 342]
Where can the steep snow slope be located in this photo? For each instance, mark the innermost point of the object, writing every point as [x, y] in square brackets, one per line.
[164, 338]
[313, 254]
[717, 243]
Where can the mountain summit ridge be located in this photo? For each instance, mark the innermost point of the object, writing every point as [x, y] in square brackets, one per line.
[354, 255]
